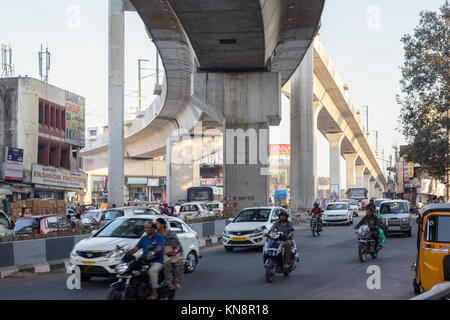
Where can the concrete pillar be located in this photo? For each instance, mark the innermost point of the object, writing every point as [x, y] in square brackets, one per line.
[248, 103]
[359, 168]
[335, 140]
[116, 103]
[303, 136]
[372, 191]
[366, 177]
[350, 159]
[182, 166]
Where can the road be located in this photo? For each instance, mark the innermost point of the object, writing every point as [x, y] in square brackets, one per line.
[329, 268]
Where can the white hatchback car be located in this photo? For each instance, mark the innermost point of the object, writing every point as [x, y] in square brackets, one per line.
[353, 205]
[195, 210]
[98, 255]
[338, 213]
[247, 228]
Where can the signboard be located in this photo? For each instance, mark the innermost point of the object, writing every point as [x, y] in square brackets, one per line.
[282, 150]
[58, 177]
[75, 112]
[334, 191]
[138, 181]
[280, 194]
[14, 164]
[153, 182]
[211, 182]
[357, 193]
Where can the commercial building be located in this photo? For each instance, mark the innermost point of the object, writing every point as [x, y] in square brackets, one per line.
[41, 134]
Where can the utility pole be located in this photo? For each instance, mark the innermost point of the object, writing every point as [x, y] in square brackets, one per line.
[7, 67]
[139, 83]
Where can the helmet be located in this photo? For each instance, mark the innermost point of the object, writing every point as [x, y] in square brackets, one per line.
[316, 204]
[283, 213]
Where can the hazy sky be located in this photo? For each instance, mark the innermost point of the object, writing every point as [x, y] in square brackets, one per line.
[362, 38]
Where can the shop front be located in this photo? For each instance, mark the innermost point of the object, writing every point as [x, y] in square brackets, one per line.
[54, 183]
[138, 189]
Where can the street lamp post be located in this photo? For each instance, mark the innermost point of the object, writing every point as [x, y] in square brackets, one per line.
[139, 81]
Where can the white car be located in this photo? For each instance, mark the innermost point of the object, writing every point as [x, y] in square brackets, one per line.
[247, 228]
[216, 207]
[378, 203]
[194, 210]
[353, 205]
[98, 255]
[396, 216]
[338, 213]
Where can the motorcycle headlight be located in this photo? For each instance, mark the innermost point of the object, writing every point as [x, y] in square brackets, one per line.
[121, 268]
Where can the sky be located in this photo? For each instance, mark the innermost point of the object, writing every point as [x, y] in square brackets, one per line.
[362, 38]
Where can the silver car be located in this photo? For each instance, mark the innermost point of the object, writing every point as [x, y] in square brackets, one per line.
[396, 216]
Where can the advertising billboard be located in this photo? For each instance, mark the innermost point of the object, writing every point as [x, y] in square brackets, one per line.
[58, 177]
[75, 119]
[334, 191]
[14, 164]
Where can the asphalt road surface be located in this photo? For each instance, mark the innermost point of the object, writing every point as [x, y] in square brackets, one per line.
[329, 268]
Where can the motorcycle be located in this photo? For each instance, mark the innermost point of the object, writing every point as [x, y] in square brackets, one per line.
[134, 281]
[366, 244]
[316, 227]
[273, 256]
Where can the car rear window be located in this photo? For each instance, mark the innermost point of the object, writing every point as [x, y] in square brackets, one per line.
[337, 206]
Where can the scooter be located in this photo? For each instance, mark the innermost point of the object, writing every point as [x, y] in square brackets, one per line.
[134, 281]
[273, 255]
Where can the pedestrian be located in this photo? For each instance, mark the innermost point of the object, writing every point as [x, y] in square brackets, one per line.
[165, 210]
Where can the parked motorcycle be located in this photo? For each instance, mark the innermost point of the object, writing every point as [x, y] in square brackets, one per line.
[134, 281]
[273, 255]
[366, 244]
[316, 227]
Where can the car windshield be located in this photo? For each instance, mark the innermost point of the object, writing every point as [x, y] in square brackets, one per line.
[337, 206]
[253, 215]
[394, 207]
[90, 214]
[138, 211]
[26, 225]
[124, 228]
[111, 215]
[378, 202]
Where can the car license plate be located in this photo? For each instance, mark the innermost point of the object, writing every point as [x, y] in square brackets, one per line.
[88, 263]
[239, 239]
[189, 215]
[395, 228]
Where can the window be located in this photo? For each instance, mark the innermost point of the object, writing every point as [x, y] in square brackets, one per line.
[124, 228]
[111, 215]
[41, 112]
[176, 226]
[52, 223]
[253, 215]
[394, 207]
[337, 206]
[437, 229]
[63, 223]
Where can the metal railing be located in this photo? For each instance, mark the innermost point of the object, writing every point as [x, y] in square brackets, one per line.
[440, 291]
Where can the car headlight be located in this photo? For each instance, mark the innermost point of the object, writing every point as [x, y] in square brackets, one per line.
[74, 253]
[259, 230]
[405, 220]
[117, 253]
[225, 232]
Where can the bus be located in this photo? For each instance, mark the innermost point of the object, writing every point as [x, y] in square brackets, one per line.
[205, 194]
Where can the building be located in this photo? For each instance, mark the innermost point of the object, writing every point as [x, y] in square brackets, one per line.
[41, 134]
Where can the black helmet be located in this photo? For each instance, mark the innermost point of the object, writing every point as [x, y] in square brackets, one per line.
[282, 212]
[316, 204]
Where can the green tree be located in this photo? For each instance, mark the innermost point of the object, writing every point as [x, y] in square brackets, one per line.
[425, 85]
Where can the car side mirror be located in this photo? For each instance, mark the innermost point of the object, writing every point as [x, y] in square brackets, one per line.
[230, 219]
[93, 231]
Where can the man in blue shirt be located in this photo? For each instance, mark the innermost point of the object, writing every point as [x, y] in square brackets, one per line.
[152, 243]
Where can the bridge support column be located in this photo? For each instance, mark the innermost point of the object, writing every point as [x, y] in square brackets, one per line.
[183, 155]
[116, 104]
[366, 178]
[248, 103]
[350, 168]
[335, 140]
[359, 168]
[372, 191]
[303, 137]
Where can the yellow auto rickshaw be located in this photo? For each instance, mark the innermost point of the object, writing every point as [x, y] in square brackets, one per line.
[432, 264]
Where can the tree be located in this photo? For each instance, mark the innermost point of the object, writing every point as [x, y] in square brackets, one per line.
[425, 85]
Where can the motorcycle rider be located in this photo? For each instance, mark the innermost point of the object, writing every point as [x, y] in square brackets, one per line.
[373, 222]
[152, 243]
[317, 212]
[286, 227]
